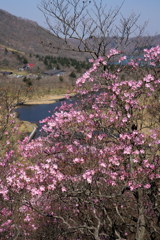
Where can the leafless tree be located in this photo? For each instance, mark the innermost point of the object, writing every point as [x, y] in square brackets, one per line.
[12, 92]
[90, 26]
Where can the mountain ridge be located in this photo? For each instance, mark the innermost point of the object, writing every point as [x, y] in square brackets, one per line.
[27, 36]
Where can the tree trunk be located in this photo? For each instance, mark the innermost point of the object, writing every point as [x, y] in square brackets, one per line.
[140, 233]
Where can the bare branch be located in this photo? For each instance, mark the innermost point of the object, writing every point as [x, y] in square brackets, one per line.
[90, 24]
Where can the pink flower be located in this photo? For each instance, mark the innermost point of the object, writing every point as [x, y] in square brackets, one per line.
[42, 188]
[127, 150]
[104, 63]
[91, 60]
[136, 152]
[51, 187]
[89, 135]
[27, 218]
[148, 78]
[124, 120]
[63, 189]
[122, 59]
[78, 160]
[113, 52]
[147, 186]
[133, 63]
[88, 175]
[8, 222]
[103, 165]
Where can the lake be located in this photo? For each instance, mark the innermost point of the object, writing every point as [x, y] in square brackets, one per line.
[37, 112]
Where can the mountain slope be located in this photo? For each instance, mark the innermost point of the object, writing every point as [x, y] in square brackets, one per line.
[27, 36]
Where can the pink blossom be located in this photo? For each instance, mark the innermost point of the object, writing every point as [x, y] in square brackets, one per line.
[103, 164]
[78, 160]
[122, 59]
[64, 189]
[147, 186]
[127, 150]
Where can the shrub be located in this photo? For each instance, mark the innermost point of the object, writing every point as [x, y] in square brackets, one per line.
[95, 175]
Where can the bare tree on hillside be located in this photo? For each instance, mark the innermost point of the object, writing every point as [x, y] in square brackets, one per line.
[90, 26]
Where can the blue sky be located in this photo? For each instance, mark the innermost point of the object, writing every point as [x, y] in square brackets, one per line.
[149, 10]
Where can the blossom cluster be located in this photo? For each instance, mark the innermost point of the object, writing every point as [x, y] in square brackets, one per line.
[99, 142]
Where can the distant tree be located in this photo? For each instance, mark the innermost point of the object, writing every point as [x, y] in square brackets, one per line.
[78, 68]
[27, 81]
[45, 61]
[5, 62]
[72, 75]
[21, 58]
[61, 79]
[57, 67]
[39, 77]
[38, 70]
[5, 51]
[25, 61]
[49, 66]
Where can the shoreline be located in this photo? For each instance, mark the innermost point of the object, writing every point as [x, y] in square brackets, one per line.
[47, 99]
[27, 127]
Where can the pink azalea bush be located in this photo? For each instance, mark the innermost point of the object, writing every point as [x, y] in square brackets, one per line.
[95, 174]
